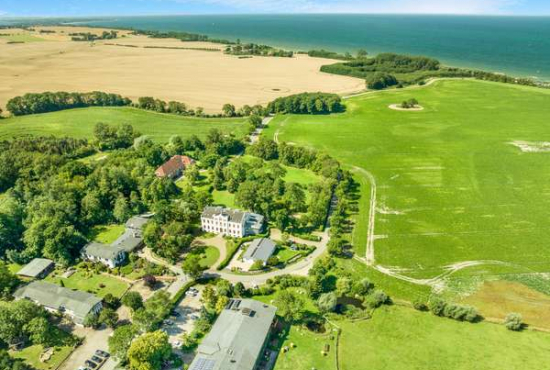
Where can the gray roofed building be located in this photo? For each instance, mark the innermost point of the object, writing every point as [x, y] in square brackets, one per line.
[233, 215]
[74, 303]
[260, 250]
[238, 337]
[109, 255]
[129, 241]
[137, 222]
[38, 268]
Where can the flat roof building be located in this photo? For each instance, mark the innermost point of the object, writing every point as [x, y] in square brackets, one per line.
[237, 339]
[73, 303]
[260, 250]
[38, 268]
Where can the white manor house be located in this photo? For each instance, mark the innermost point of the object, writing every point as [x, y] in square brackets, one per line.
[230, 222]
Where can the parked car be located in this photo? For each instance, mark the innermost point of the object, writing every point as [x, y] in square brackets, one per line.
[168, 322]
[97, 360]
[83, 368]
[177, 344]
[102, 353]
[175, 314]
[90, 364]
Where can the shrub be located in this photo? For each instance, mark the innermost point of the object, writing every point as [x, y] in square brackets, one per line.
[376, 299]
[381, 80]
[513, 322]
[420, 305]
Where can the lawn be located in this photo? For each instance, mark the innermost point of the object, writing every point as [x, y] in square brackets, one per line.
[107, 234]
[224, 198]
[285, 253]
[398, 338]
[450, 186]
[31, 355]
[91, 282]
[14, 267]
[306, 354]
[80, 123]
[300, 176]
[209, 255]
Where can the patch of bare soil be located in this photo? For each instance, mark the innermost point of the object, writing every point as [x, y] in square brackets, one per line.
[532, 146]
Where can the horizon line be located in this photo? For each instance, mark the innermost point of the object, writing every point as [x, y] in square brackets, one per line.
[6, 16]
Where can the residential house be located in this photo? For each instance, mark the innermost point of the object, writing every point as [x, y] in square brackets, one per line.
[38, 268]
[109, 255]
[260, 249]
[72, 303]
[238, 338]
[235, 223]
[174, 167]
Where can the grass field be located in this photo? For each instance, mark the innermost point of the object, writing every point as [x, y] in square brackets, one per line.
[22, 37]
[450, 186]
[307, 351]
[80, 123]
[398, 338]
[31, 355]
[92, 283]
[224, 198]
[209, 255]
[107, 234]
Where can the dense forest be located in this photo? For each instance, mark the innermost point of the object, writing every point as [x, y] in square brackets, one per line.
[255, 49]
[389, 69]
[307, 103]
[53, 101]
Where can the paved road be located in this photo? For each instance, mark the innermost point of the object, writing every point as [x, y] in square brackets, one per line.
[255, 136]
[299, 268]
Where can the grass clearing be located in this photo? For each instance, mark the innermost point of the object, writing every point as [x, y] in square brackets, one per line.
[107, 234]
[307, 351]
[450, 186]
[224, 198]
[91, 282]
[398, 338]
[31, 355]
[80, 123]
[209, 255]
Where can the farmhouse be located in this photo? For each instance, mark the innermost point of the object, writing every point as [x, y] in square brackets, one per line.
[174, 167]
[38, 268]
[237, 339]
[260, 250]
[107, 254]
[73, 303]
[231, 222]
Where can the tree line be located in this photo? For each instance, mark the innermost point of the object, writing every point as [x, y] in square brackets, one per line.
[307, 103]
[34, 103]
[88, 36]
[257, 49]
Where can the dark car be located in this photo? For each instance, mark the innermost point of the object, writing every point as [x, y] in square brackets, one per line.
[102, 353]
[97, 360]
[175, 314]
[90, 364]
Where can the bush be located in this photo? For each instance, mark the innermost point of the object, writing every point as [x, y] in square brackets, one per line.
[376, 299]
[381, 80]
[439, 307]
[513, 322]
[420, 305]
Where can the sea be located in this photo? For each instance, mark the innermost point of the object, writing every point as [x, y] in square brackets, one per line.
[518, 46]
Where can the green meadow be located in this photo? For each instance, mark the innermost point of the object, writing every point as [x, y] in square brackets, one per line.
[451, 187]
[398, 338]
[80, 123]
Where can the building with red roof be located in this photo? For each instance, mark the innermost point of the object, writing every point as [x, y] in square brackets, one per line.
[174, 167]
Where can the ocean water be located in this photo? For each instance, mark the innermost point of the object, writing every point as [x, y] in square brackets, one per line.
[513, 45]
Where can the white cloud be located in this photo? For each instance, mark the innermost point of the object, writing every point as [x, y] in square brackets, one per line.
[365, 6]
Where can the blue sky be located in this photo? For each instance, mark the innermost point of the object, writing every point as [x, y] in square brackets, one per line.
[138, 7]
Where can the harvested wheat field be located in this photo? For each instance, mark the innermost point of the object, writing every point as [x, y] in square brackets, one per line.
[200, 78]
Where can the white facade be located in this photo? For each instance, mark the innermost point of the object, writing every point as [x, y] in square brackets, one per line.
[109, 262]
[221, 224]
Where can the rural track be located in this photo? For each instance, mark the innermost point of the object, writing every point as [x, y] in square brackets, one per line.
[438, 282]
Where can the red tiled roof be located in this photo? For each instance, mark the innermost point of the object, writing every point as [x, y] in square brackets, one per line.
[173, 165]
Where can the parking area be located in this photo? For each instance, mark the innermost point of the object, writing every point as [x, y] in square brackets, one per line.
[94, 340]
[186, 313]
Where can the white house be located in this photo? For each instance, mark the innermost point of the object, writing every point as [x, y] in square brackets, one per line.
[231, 222]
[109, 255]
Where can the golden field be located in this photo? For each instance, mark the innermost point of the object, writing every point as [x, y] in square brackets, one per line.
[208, 79]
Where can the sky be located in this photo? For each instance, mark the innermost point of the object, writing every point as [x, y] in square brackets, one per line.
[154, 7]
